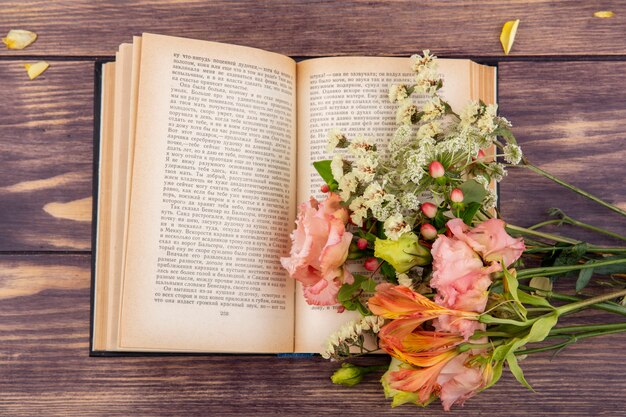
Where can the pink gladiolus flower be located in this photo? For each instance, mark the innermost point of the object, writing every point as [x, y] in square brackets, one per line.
[319, 249]
[490, 240]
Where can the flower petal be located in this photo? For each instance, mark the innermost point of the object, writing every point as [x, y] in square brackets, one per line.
[36, 69]
[507, 36]
[604, 14]
[19, 39]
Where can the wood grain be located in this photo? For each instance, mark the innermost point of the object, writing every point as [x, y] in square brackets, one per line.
[46, 157]
[314, 28]
[570, 119]
[569, 116]
[45, 368]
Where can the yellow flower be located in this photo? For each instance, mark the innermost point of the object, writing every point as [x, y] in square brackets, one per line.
[404, 253]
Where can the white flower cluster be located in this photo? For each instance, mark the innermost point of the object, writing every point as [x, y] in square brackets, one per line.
[398, 92]
[350, 332]
[387, 185]
[512, 153]
[350, 174]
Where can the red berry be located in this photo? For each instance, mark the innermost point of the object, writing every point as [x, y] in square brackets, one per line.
[361, 244]
[429, 210]
[371, 264]
[457, 195]
[325, 188]
[428, 231]
[436, 170]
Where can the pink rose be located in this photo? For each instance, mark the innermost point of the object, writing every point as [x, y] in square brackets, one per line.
[319, 249]
[490, 240]
[459, 382]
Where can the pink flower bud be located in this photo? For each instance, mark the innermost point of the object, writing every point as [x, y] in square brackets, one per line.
[361, 244]
[481, 154]
[429, 210]
[371, 264]
[325, 188]
[436, 170]
[428, 231]
[457, 195]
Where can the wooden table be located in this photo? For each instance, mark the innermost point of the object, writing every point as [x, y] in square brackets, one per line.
[563, 86]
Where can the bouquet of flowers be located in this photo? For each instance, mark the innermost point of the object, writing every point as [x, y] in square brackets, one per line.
[453, 294]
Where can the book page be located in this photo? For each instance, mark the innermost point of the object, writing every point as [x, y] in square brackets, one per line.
[211, 200]
[351, 94]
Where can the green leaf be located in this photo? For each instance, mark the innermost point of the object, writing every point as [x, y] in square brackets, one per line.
[470, 211]
[346, 291]
[584, 276]
[510, 288]
[473, 192]
[323, 168]
[369, 285]
[611, 269]
[516, 370]
[362, 309]
[497, 373]
[532, 300]
[389, 272]
[541, 328]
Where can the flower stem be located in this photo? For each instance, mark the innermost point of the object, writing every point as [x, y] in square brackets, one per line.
[568, 308]
[564, 218]
[573, 339]
[572, 187]
[549, 236]
[586, 328]
[606, 306]
[556, 270]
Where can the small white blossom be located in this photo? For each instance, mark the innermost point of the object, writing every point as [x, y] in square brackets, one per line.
[512, 153]
[361, 146]
[347, 185]
[336, 166]
[427, 81]
[398, 92]
[365, 167]
[469, 114]
[433, 109]
[421, 63]
[415, 166]
[395, 226]
[335, 138]
[484, 181]
[428, 130]
[403, 279]
[490, 200]
[350, 332]
[487, 124]
[496, 171]
[373, 195]
[405, 113]
[401, 138]
[358, 211]
[382, 212]
[409, 201]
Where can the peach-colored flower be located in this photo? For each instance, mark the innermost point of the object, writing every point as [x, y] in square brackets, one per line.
[420, 381]
[490, 240]
[319, 249]
[459, 381]
[397, 301]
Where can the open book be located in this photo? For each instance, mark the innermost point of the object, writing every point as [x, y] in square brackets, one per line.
[205, 149]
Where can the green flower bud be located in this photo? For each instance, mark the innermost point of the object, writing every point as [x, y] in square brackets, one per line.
[347, 375]
[404, 253]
